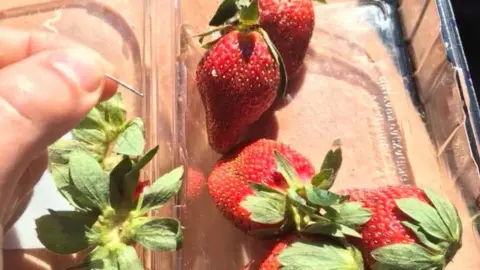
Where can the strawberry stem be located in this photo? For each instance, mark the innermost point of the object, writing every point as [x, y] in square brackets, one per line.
[140, 202]
[296, 217]
[249, 13]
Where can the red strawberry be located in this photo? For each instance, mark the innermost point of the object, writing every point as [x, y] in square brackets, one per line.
[303, 253]
[399, 216]
[267, 189]
[238, 80]
[290, 24]
[255, 162]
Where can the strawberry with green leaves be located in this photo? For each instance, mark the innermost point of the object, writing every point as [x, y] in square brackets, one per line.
[288, 23]
[238, 78]
[267, 189]
[98, 172]
[410, 228]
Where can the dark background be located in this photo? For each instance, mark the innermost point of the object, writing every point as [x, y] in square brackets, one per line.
[467, 15]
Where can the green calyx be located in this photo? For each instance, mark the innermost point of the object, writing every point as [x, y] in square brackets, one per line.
[242, 15]
[438, 228]
[97, 172]
[325, 255]
[306, 208]
[243, 12]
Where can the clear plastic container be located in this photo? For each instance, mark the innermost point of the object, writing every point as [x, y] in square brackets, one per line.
[388, 78]
[121, 30]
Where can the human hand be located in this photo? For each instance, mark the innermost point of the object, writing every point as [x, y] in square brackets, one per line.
[48, 84]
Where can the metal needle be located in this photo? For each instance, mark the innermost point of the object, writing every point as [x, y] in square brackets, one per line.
[124, 84]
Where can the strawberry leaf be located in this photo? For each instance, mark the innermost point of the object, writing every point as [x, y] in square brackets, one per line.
[316, 255]
[145, 159]
[95, 120]
[101, 258]
[349, 231]
[127, 259]
[93, 137]
[61, 177]
[226, 11]
[131, 141]
[447, 213]
[266, 206]
[91, 132]
[64, 232]
[422, 236]
[406, 257]
[111, 161]
[159, 234]
[321, 1]
[242, 3]
[60, 151]
[117, 180]
[323, 197]
[77, 199]
[117, 256]
[426, 216]
[329, 229]
[162, 190]
[350, 214]
[129, 176]
[113, 110]
[282, 89]
[286, 169]
[249, 13]
[89, 178]
[298, 202]
[330, 167]
[100, 127]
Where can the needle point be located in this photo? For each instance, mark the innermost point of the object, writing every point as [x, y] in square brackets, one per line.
[124, 84]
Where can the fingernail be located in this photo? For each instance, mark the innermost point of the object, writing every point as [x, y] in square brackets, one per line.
[81, 67]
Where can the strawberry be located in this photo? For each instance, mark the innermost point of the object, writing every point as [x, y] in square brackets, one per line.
[255, 162]
[415, 224]
[240, 75]
[296, 252]
[238, 80]
[266, 189]
[290, 24]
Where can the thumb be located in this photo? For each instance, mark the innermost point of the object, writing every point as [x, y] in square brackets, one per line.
[45, 96]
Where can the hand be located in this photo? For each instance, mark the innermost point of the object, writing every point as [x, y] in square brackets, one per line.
[48, 84]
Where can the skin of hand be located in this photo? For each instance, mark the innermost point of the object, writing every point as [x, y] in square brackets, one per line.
[48, 84]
